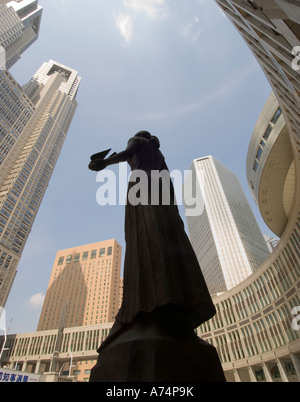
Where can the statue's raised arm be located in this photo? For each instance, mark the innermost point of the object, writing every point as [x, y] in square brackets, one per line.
[98, 162]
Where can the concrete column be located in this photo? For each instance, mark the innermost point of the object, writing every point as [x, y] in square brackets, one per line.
[296, 362]
[282, 371]
[37, 367]
[252, 374]
[237, 377]
[50, 377]
[24, 366]
[267, 373]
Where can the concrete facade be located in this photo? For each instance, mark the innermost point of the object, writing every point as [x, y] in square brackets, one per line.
[83, 287]
[226, 237]
[35, 122]
[20, 24]
[271, 167]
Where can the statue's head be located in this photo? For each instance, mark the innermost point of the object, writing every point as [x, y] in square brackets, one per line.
[152, 138]
[144, 134]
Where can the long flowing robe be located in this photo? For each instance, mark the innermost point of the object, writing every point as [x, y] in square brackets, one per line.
[160, 266]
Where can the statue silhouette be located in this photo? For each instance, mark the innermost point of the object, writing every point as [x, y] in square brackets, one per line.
[164, 290]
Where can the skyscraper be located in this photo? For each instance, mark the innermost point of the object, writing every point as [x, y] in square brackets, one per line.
[19, 28]
[225, 236]
[271, 29]
[84, 286]
[34, 123]
[271, 242]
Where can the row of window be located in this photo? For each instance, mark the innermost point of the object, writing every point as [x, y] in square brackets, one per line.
[5, 259]
[270, 330]
[85, 255]
[265, 138]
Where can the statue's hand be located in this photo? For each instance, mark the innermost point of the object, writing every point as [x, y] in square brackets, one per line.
[97, 165]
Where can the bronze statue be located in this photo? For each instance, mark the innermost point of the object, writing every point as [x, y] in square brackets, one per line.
[164, 289]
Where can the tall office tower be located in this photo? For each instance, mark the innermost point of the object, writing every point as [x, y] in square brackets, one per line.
[83, 287]
[15, 111]
[225, 235]
[19, 27]
[34, 123]
[271, 242]
[121, 289]
[271, 28]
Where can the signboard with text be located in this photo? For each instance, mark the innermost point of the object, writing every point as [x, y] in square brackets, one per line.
[7, 375]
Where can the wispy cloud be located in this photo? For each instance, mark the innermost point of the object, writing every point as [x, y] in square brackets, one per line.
[124, 25]
[36, 300]
[152, 8]
[192, 30]
[226, 90]
[132, 9]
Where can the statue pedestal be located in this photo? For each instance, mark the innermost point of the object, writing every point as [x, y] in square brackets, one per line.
[158, 361]
[147, 352]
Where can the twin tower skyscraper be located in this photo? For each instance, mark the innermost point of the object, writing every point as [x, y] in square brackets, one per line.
[34, 121]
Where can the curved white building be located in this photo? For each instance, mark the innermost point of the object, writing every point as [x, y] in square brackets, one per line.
[271, 167]
[257, 326]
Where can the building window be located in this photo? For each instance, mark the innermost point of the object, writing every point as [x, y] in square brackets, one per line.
[93, 254]
[85, 255]
[60, 261]
[259, 152]
[76, 257]
[255, 166]
[68, 259]
[109, 251]
[102, 252]
[267, 132]
[276, 116]
[259, 373]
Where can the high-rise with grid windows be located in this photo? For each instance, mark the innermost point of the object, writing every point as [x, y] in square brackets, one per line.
[84, 287]
[225, 235]
[19, 27]
[271, 29]
[34, 121]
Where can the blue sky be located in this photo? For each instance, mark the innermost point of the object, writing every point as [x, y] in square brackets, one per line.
[176, 68]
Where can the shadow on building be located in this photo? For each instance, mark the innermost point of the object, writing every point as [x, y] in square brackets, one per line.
[66, 298]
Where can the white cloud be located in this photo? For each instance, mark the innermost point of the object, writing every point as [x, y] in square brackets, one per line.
[152, 8]
[192, 30]
[224, 91]
[124, 24]
[36, 300]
